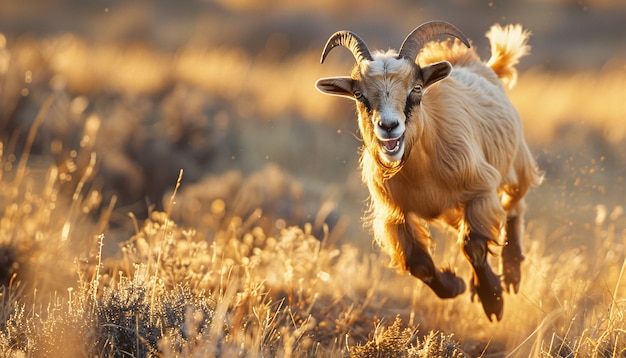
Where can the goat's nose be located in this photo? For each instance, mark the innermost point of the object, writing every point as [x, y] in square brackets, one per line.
[388, 126]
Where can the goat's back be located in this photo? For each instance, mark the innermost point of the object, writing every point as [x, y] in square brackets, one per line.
[479, 105]
[508, 45]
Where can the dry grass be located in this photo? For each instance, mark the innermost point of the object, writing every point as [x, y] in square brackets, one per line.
[588, 99]
[256, 261]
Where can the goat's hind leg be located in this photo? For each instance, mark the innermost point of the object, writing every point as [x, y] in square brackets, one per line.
[512, 256]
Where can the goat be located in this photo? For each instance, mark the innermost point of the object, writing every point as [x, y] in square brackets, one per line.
[442, 143]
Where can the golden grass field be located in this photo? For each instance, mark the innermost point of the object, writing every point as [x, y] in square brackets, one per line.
[204, 200]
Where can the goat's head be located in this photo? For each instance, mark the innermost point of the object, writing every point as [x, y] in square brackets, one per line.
[387, 87]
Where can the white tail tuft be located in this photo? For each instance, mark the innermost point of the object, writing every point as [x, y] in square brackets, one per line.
[508, 45]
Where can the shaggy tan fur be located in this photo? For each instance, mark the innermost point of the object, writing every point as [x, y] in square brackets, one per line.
[468, 163]
[443, 143]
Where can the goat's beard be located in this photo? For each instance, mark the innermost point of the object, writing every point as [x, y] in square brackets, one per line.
[388, 168]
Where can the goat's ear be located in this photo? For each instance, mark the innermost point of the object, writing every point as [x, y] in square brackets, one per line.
[435, 72]
[336, 86]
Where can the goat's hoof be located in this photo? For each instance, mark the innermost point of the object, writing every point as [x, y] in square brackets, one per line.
[511, 271]
[447, 285]
[456, 284]
[489, 291]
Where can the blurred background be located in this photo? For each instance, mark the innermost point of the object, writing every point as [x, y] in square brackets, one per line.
[224, 90]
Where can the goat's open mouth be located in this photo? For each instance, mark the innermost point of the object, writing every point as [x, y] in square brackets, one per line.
[391, 146]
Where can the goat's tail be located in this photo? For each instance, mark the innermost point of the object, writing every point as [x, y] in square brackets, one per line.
[508, 45]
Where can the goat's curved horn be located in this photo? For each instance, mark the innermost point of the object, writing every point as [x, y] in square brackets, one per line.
[349, 40]
[426, 32]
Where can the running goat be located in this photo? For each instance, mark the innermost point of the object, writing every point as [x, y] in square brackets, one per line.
[442, 143]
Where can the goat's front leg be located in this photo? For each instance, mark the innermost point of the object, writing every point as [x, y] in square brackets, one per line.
[443, 282]
[414, 238]
[485, 283]
[483, 216]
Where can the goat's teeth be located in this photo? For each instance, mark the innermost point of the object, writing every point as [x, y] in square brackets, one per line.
[391, 146]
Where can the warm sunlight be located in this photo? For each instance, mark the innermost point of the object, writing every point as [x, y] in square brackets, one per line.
[173, 185]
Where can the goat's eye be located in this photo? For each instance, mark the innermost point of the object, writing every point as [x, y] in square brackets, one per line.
[358, 94]
[417, 88]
